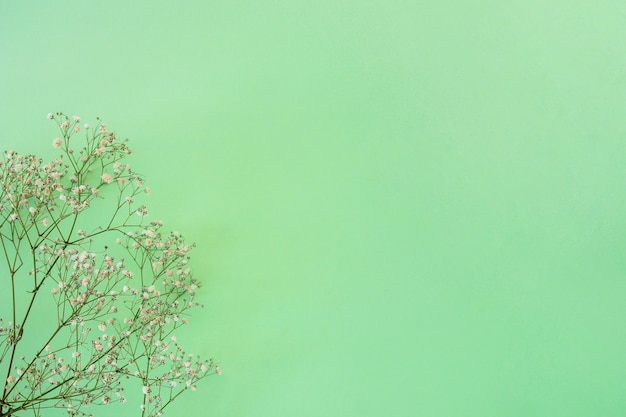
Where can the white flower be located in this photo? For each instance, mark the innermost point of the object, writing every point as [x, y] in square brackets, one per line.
[145, 390]
[57, 143]
[76, 119]
[107, 178]
[50, 116]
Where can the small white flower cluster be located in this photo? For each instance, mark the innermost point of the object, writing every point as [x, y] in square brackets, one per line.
[118, 305]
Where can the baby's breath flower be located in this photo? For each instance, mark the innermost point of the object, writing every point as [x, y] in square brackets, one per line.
[115, 331]
[106, 178]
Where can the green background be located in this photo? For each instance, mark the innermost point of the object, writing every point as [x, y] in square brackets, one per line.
[402, 208]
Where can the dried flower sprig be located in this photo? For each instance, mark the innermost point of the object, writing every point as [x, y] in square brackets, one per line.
[120, 286]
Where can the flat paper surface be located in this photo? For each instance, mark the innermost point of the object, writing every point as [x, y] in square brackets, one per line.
[400, 208]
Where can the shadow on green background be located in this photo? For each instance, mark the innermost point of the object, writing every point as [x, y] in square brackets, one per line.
[401, 208]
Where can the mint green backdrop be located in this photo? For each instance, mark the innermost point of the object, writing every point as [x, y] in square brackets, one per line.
[402, 208]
